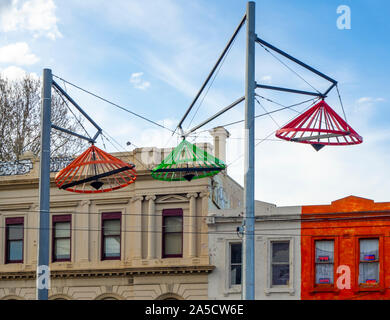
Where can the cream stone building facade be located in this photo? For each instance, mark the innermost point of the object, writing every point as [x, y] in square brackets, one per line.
[277, 253]
[141, 269]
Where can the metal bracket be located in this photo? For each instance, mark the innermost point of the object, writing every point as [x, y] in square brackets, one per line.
[302, 64]
[70, 99]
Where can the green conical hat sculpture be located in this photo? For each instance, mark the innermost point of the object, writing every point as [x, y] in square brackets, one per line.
[187, 162]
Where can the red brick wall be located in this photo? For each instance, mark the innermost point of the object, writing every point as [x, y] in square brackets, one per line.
[358, 218]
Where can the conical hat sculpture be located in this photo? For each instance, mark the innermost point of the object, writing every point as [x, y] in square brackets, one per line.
[187, 162]
[319, 126]
[95, 171]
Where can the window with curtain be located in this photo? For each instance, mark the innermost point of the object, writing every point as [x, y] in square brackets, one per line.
[369, 261]
[14, 240]
[61, 237]
[235, 263]
[324, 261]
[280, 263]
[172, 233]
[111, 236]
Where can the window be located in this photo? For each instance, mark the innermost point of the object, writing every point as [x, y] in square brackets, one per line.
[324, 261]
[280, 263]
[369, 261]
[111, 236]
[172, 232]
[14, 240]
[235, 263]
[61, 238]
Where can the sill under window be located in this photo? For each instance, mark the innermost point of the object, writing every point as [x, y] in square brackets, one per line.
[235, 288]
[325, 288]
[173, 256]
[279, 289]
[110, 258]
[14, 261]
[372, 288]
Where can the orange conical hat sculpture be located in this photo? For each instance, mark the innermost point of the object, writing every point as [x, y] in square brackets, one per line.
[95, 171]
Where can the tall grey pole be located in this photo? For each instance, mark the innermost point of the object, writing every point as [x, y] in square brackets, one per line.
[43, 272]
[248, 283]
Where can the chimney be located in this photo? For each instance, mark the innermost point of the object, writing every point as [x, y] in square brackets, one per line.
[220, 134]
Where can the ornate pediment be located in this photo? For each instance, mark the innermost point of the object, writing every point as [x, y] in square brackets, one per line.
[171, 198]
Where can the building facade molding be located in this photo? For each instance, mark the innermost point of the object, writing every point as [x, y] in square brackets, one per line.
[60, 274]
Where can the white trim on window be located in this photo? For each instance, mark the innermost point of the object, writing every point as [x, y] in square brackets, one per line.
[228, 287]
[269, 289]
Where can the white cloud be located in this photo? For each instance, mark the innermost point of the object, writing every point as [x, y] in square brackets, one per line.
[266, 79]
[15, 73]
[369, 100]
[36, 16]
[17, 53]
[137, 82]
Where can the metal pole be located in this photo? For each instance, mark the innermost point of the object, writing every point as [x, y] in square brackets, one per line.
[248, 249]
[43, 273]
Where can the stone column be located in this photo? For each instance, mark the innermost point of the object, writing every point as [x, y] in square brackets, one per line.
[220, 135]
[192, 221]
[151, 227]
[33, 222]
[204, 250]
[80, 245]
[136, 229]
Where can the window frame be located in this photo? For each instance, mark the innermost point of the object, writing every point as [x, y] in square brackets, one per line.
[56, 219]
[166, 213]
[106, 216]
[375, 287]
[13, 221]
[324, 287]
[230, 284]
[280, 263]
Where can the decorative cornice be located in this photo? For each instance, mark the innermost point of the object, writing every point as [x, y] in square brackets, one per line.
[137, 198]
[102, 273]
[204, 194]
[84, 203]
[192, 195]
[16, 206]
[111, 201]
[62, 204]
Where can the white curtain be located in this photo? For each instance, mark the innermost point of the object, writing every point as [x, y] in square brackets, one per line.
[324, 261]
[369, 265]
[325, 251]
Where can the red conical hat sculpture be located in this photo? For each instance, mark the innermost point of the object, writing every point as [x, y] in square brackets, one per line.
[319, 126]
[95, 171]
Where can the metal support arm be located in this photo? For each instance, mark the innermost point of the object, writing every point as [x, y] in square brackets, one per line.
[281, 52]
[316, 94]
[212, 71]
[215, 116]
[56, 85]
[92, 140]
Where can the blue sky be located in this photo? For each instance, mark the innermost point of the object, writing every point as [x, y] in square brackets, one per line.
[152, 57]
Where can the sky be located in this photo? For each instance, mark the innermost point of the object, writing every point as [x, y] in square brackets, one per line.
[152, 57]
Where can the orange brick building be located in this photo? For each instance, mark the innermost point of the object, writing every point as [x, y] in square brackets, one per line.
[346, 240]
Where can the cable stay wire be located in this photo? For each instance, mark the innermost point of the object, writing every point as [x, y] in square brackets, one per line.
[341, 102]
[213, 79]
[270, 112]
[288, 67]
[258, 231]
[114, 104]
[273, 132]
[272, 118]
[69, 108]
[293, 217]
